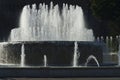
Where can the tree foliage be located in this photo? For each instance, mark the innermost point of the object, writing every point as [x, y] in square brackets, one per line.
[109, 11]
[106, 9]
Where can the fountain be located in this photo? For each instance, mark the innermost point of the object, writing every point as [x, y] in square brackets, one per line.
[49, 29]
[98, 39]
[90, 58]
[76, 55]
[50, 36]
[107, 41]
[119, 56]
[45, 61]
[22, 63]
[46, 24]
[102, 38]
[111, 41]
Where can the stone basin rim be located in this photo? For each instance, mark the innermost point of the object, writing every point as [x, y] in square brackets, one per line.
[49, 41]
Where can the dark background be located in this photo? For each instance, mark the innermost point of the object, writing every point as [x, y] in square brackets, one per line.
[100, 15]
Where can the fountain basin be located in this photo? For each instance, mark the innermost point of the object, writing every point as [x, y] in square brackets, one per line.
[59, 56]
[56, 72]
[59, 53]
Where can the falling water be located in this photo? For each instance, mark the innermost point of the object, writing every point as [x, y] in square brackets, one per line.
[22, 63]
[111, 43]
[52, 24]
[76, 55]
[45, 61]
[90, 58]
[119, 56]
[107, 41]
[98, 39]
[102, 39]
[111, 40]
[3, 55]
[117, 37]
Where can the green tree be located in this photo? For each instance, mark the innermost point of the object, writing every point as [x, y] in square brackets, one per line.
[109, 11]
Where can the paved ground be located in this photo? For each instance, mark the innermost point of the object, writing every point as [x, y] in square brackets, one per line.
[61, 79]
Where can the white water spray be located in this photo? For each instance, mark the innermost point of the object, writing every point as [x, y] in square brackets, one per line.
[76, 55]
[22, 63]
[49, 24]
[90, 58]
[119, 56]
[45, 61]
